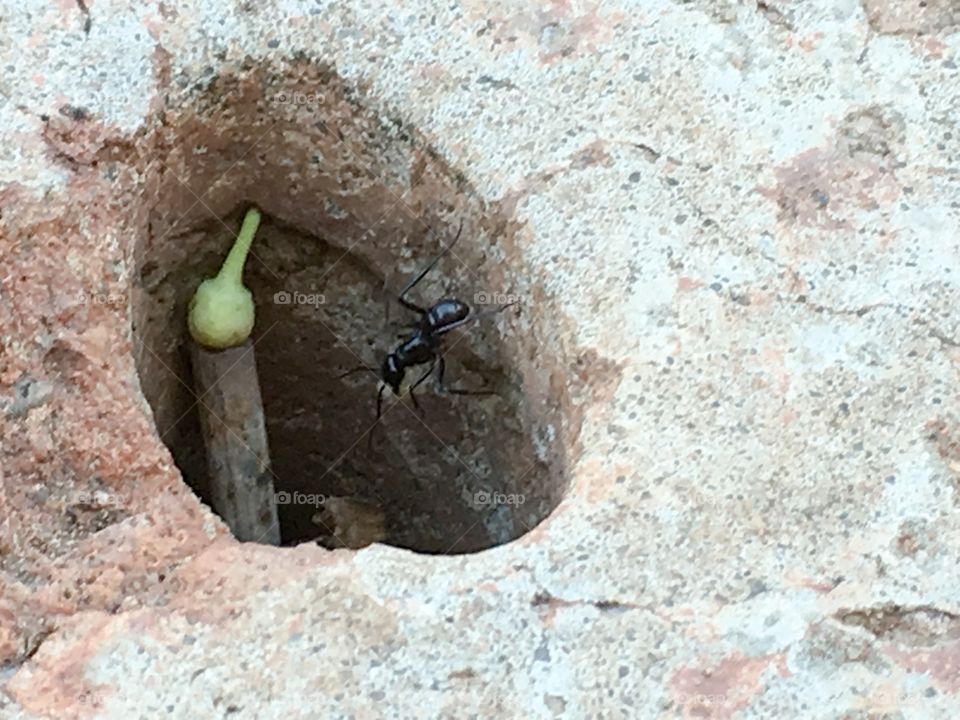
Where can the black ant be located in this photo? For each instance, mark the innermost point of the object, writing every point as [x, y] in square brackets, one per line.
[424, 343]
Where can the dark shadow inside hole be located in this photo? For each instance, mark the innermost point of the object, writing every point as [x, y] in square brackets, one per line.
[461, 478]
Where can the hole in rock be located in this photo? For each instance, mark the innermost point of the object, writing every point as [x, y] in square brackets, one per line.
[348, 204]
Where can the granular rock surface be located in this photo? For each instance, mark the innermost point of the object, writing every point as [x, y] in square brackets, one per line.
[719, 473]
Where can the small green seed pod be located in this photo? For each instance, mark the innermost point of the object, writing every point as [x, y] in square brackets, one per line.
[221, 312]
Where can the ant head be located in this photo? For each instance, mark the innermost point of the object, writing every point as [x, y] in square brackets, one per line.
[392, 373]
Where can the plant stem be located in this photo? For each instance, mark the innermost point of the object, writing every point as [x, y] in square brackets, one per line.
[232, 268]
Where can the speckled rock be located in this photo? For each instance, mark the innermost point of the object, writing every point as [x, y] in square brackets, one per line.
[730, 394]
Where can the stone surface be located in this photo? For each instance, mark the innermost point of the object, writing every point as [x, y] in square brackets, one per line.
[733, 228]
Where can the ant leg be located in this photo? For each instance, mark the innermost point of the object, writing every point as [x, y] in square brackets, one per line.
[357, 369]
[379, 414]
[441, 366]
[406, 334]
[413, 387]
[427, 373]
[410, 285]
[386, 303]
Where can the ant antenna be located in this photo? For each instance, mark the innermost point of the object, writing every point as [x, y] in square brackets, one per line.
[417, 278]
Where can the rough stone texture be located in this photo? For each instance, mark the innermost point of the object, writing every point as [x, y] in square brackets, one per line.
[733, 227]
